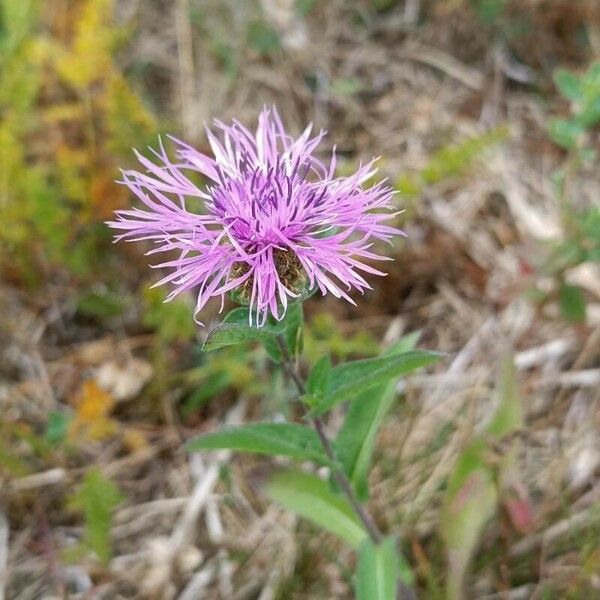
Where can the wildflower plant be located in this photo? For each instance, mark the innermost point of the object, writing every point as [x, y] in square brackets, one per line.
[275, 226]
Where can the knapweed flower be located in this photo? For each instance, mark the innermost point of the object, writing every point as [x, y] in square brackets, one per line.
[271, 221]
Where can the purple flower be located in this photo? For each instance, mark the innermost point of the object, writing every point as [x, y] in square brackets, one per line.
[270, 222]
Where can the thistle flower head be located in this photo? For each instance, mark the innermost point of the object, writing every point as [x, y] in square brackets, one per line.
[273, 220]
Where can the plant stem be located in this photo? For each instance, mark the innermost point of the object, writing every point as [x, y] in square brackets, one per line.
[338, 475]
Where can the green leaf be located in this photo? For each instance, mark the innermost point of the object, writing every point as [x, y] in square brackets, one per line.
[469, 503]
[313, 499]
[319, 376]
[272, 349]
[350, 379]
[382, 5]
[101, 304]
[346, 86]
[378, 570]
[217, 383]
[589, 116]
[566, 133]
[276, 439]
[16, 19]
[456, 159]
[170, 320]
[98, 497]
[572, 303]
[569, 84]
[406, 343]
[476, 482]
[303, 7]
[235, 329]
[57, 426]
[509, 414]
[356, 440]
[262, 38]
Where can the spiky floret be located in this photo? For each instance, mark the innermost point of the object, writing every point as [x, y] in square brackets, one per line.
[274, 218]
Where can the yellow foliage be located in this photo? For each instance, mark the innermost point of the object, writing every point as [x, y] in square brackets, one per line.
[67, 116]
[92, 413]
[71, 164]
[105, 195]
[127, 117]
[134, 439]
[69, 111]
[89, 57]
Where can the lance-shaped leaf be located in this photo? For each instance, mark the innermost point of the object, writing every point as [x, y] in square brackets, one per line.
[235, 328]
[348, 380]
[469, 503]
[356, 440]
[380, 570]
[318, 377]
[472, 491]
[313, 499]
[276, 439]
[508, 416]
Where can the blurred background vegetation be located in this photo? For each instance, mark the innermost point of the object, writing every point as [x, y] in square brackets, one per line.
[486, 114]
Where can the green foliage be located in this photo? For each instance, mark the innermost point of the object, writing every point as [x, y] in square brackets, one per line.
[569, 84]
[211, 387]
[455, 160]
[589, 233]
[318, 378]
[101, 303]
[450, 162]
[235, 328]
[303, 7]
[262, 38]
[583, 92]
[355, 441]
[276, 439]
[489, 10]
[581, 245]
[472, 491]
[313, 499]
[346, 86]
[232, 368]
[97, 498]
[171, 320]
[11, 463]
[509, 413]
[57, 160]
[383, 5]
[57, 426]
[572, 303]
[323, 335]
[582, 225]
[348, 380]
[469, 503]
[379, 570]
[566, 133]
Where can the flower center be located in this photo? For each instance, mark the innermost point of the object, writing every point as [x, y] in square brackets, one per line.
[290, 270]
[288, 266]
